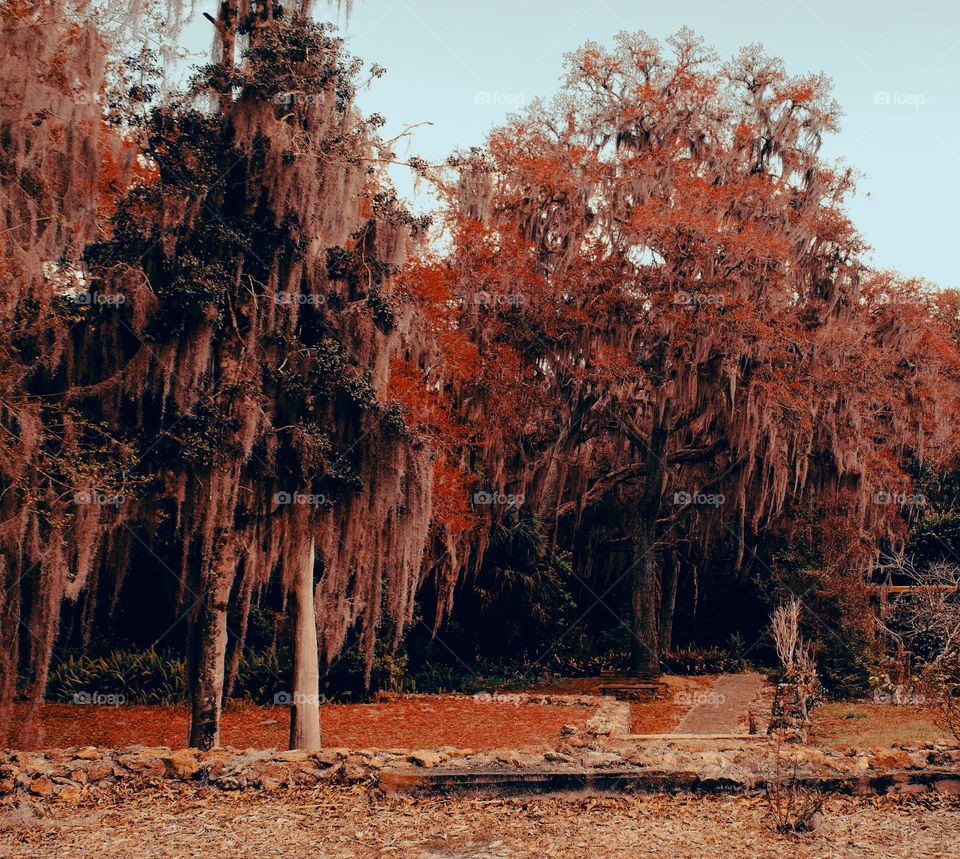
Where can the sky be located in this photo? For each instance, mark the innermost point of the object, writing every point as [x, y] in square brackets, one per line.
[462, 67]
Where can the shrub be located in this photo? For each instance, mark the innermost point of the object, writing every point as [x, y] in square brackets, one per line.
[150, 677]
[794, 806]
[134, 678]
[693, 661]
[260, 676]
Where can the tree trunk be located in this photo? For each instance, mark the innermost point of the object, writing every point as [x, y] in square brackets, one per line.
[207, 653]
[645, 588]
[305, 706]
[645, 576]
[226, 25]
[668, 604]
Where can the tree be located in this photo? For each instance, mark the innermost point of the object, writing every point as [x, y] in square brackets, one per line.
[665, 255]
[229, 371]
[62, 167]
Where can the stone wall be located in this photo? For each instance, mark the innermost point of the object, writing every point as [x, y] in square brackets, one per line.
[79, 774]
[790, 716]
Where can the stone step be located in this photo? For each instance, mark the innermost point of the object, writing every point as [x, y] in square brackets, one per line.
[505, 782]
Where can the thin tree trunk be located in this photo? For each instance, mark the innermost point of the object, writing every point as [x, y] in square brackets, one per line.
[10, 644]
[645, 576]
[668, 604]
[645, 588]
[305, 707]
[207, 656]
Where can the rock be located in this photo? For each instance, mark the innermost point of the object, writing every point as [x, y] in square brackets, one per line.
[146, 765]
[7, 784]
[951, 786]
[508, 757]
[70, 793]
[269, 772]
[569, 730]
[98, 771]
[36, 764]
[353, 773]
[601, 759]
[88, 753]
[182, 763]
[292, 755]
[462, 753]
[426, 758]
[41, 787]
[557, 758]
[909, 789]
[891, 759]
[326, 757]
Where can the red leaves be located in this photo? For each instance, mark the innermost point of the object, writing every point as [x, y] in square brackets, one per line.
[675, 249]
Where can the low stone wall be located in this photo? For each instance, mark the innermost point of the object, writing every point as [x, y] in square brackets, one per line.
[78, 774]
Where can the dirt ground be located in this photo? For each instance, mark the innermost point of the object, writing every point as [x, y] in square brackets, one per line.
[354, 822]
[663, 715]
[409, 722]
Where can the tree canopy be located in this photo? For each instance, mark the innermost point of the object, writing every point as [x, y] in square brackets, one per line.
[640, 332]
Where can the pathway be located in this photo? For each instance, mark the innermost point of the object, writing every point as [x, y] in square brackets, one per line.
[723, 708]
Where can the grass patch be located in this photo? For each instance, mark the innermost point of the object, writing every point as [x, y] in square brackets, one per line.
[865, 725]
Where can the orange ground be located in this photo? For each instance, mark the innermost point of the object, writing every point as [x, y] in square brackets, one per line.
[411, 722]
[663, 715]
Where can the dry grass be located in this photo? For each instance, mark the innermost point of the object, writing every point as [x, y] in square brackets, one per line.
[348, 822]
[866, 725]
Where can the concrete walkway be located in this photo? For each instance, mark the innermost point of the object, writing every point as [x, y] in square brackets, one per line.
[723, 708]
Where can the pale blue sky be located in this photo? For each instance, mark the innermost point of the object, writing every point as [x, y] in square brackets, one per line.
[895, 66]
